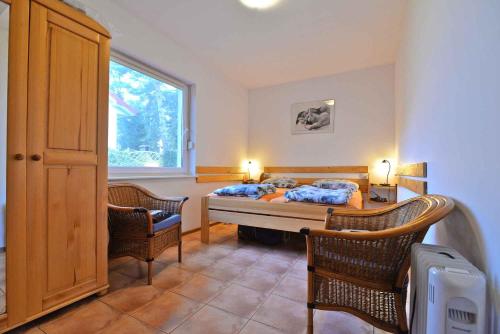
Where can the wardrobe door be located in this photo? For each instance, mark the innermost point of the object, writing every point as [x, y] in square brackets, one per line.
[67, 160]
[16, 163]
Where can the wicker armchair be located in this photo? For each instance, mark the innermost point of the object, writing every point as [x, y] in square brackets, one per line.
[360, 263]
[141, 224]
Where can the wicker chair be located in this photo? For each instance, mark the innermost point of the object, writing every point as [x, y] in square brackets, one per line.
[141, 224]
[360, 263]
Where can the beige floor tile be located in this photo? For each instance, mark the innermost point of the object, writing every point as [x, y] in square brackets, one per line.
[125, 324]
[167, 311]
[282, 313]
[221, 234]
[233, 243]
[224, 229]
[243, 257]
[224, 271]
[330, 322]
[194, 247]
[169, 256]
[139, 269]
[278, 257]
[200, 288]
[272, 265]
[115, 262]
[191, 236]
[258, 280]
[239, 300]
[257, 248]
[292, 288]
[254, 327]
[87, 319]
[195, 263]
[247, 280]
[216, 252]
[299, 270]
[131, 298]
[171, 277]
[66, 311]
[286, 253]
[118, 280]
[210, 320]
[219, 238]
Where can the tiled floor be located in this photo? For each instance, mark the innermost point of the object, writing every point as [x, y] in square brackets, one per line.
[228, 287]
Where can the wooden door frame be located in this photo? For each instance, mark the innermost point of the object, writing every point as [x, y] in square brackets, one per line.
[17, 106]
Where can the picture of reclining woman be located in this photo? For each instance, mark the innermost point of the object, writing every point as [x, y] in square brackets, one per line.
[313, 117]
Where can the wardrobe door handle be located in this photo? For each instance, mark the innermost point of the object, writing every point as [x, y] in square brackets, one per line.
[36, 157]
[18, 156]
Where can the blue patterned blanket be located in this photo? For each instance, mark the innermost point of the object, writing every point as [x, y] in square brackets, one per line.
[254, 191]
[319, 195]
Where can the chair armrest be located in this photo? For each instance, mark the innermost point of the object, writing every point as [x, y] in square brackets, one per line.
[129, 220]
[168, 204]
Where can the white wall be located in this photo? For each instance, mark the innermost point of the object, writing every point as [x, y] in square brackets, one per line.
[363, 128]
[219, 112]
[4, 40]
[447, 113]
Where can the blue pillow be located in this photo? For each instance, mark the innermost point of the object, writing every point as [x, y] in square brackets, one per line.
[281, 182]
[254, 191]
[336, 184]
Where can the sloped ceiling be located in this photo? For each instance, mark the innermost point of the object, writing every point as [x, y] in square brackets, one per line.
[295, 40]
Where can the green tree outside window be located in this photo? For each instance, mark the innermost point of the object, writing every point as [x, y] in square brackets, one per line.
[145, 127]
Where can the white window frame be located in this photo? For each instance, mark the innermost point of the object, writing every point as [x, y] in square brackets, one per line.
[157, 172]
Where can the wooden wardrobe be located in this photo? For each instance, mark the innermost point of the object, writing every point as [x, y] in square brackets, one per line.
[56, 159]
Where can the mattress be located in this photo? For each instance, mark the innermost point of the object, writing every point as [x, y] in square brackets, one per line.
[356, 201]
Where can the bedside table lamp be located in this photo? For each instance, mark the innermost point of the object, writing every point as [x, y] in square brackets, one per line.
[249, 166]
[385, 161]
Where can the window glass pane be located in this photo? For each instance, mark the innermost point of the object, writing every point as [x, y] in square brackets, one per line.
[145, 120]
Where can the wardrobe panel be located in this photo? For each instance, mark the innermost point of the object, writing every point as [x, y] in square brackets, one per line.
[71, 234]
[72, 90]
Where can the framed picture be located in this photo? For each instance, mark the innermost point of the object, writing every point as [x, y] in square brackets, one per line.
[313, 117]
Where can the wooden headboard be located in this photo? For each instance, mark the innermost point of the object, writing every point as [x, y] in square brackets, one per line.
[413, 170]
[361, 178]
[207, 174]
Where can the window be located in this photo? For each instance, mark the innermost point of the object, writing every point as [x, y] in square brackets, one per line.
[147, 121]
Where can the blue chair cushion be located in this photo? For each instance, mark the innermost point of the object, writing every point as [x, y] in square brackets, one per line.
[166, 223]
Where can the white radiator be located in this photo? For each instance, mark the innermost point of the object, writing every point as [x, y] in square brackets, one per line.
[448, 294]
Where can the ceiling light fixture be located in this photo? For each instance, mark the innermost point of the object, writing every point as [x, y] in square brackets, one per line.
[259, 4]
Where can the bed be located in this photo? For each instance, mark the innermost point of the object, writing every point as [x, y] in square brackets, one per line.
[273, 211]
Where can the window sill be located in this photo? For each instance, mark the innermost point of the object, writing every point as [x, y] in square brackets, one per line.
[149, 177]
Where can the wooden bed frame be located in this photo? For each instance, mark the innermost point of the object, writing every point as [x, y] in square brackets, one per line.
[279, 216]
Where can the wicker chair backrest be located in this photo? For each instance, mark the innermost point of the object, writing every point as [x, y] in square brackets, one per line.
[124, 195]
[380, 259]
[405, 213]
